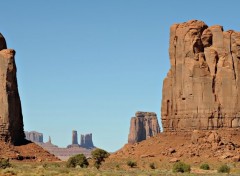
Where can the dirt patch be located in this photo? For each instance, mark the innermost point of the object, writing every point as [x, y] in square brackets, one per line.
[26, 152]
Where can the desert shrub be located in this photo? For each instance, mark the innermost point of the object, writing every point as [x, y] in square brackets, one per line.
[181, 167]
[4, 163]
[99, 155]
[51, 165]
[152, 166]
[205, 166]
[77, 160]
[224, 169]
[132, 164]
[97, 165]
[9, 171]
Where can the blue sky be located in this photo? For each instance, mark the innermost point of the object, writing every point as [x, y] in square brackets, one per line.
[89, 65]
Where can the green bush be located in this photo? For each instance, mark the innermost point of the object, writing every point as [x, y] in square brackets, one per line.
[77, 160]
[205, 166]
[181, 167]
[131, 164]
[152, 166]
[99, 155]
[224, 169]
[4, 163]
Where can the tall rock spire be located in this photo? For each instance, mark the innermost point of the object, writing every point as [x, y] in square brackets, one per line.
[11, 119]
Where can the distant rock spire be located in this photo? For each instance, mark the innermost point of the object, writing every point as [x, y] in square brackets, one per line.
[49, 140]
[74, 137]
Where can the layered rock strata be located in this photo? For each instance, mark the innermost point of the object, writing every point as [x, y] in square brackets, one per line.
[11, 119]
[202, 87]
[143, 126]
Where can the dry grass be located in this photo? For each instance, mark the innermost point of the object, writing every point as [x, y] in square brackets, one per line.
[113, 169]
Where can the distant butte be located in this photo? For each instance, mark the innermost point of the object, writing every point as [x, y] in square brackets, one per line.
[143, 126]
[85, 147]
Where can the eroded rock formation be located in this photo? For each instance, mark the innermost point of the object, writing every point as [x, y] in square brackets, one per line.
[143, 126]
[34, 136]
[202, 87]
[11, 120]
[74, 137]
[86, 141]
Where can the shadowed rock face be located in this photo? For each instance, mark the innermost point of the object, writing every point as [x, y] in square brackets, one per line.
[202, 87]
[11, 120]
[143, 126]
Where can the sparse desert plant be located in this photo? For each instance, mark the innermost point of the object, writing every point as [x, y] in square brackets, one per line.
[205, 166]
[77, 160]
[97, 165]
[51, 165]
[4, 163]
[99, 155]
[181, 167]
[224, 169]
[132, 164]
[152, 166]
[9, 171]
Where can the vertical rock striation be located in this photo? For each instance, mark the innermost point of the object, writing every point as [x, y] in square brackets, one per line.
[202, 87]
[86, 141]
[143, 126]
[11, 120]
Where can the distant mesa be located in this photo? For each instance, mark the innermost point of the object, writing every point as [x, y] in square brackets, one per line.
[34, 136]
[143, 126]
[85, 147]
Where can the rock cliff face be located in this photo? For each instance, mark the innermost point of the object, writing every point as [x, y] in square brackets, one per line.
[86, 141]
[34, 136]
[11, 120]
[202, 87]
[143, 126]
